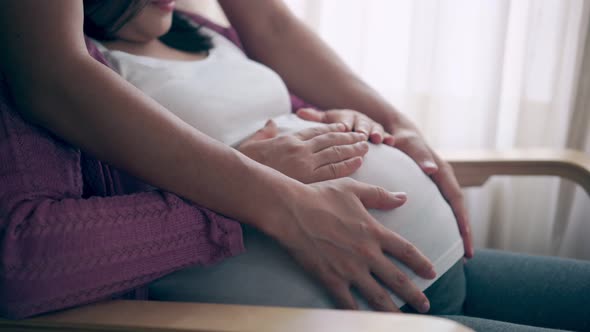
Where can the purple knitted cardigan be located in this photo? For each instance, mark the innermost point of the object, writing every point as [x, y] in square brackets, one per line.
[74, 230]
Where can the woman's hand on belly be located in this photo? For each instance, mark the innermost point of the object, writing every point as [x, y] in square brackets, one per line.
[408, 139]
[310, 155]
[334, 237]
[353, 120]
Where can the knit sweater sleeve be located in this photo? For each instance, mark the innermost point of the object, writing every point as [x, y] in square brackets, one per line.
[59, 249]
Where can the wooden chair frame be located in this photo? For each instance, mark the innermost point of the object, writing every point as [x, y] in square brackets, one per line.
[471, 168]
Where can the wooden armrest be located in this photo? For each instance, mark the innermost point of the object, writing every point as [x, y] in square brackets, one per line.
[123, 315]
[474, 168]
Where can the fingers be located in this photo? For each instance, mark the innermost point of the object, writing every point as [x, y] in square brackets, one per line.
[374, 197]
[398, 247]
[337, 170]
[377, 133]
[362, 125]
[441, 173]
[338, 153]
[309, 133]
[339, 289]
[354, 121]
[269, 130]
[310, 114]
[449, 187]
[337, 286]
[388, 139]
[414, 146]
[376, 296]
[398, 282]
[345, 117]
[328, 140]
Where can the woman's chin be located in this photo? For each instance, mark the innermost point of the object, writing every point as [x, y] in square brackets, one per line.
[150, 24]
[166, 6]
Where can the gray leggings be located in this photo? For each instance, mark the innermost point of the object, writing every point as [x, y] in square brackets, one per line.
[495, 291]
[501, 291]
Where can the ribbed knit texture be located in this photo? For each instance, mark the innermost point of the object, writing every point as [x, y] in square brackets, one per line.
[74, 230]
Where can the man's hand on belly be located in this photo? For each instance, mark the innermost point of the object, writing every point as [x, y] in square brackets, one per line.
[334, 237]
[310, 155]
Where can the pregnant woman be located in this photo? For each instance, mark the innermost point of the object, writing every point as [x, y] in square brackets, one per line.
[230, 97]
[211, 85]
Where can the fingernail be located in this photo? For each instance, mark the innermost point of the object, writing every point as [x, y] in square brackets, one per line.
[376, 135]
[399, 196]
[340, 126]
[363, 145]
[424, 307]
[431, 273]
[429, 164]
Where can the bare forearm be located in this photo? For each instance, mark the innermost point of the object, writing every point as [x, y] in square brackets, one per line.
[273, 36]
[115, 122]
[58, 85]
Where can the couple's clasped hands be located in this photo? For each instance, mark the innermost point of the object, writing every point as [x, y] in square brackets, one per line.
[336, 239]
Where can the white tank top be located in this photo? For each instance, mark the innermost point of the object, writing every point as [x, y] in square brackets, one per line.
[229, 97]
[226, 95]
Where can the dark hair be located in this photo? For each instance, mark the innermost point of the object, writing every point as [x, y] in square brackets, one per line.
[103, 18]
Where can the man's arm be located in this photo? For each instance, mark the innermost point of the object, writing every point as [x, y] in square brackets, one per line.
[58, 85]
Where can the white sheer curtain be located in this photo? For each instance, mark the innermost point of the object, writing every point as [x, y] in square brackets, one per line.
[492, 74]
[479, 74]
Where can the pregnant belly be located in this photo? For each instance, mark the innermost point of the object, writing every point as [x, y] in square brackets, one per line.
[425, 219]
[266, 275]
